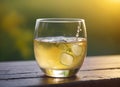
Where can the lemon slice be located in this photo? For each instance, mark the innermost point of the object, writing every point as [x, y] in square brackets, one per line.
[66, 59]
[76, 49]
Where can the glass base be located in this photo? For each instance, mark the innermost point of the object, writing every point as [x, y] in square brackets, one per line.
[60, 73]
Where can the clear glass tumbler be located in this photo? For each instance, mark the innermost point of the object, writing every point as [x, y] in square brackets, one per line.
[60, 45]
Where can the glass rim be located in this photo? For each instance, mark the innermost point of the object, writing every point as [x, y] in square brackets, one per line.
[59, 20]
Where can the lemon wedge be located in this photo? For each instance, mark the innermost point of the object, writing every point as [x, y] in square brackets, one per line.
[66, 59]
[76, 49]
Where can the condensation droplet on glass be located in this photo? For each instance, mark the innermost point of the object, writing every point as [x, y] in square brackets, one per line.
[77, 34]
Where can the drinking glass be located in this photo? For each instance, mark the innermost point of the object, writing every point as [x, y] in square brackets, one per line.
[60, 45]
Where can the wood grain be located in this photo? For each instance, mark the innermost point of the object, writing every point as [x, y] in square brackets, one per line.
[97, 71]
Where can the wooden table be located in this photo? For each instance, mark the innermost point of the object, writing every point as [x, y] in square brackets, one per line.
[97, 71]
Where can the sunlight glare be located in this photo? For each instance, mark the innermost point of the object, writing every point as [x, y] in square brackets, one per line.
[115, 1]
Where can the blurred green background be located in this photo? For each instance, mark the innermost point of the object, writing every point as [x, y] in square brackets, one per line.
[17, 22]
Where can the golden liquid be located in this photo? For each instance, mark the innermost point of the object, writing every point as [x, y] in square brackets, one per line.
[60, 53]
